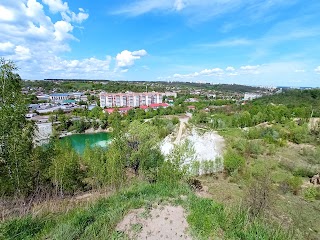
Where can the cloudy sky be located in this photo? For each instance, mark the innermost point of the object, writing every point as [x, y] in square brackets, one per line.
[254, 42]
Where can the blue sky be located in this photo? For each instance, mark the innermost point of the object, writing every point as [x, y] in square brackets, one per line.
[254, 42]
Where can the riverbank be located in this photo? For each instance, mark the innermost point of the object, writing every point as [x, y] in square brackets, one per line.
[88, 131]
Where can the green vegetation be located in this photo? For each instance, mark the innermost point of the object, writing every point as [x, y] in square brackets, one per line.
[15, 134]
[272, 150]
[98, 220]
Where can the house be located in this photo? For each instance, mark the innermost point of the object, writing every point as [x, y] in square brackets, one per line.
[171, 94]
[109, 110]
[144, 107]
[124, 110]
[158, 105]
[191, 108]
[59, 97]
[43, 97]
[251, 96]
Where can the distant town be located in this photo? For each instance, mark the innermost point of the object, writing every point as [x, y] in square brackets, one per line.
[46, 100]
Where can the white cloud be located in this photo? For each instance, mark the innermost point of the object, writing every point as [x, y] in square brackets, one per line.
[22, 53]
[6, 14]
[126, 59]
[229, 43]
[56, 5]
[299, 70]
[230, 69]
[250, 69]
[219, 73]
[6, 46]
[85, 66]
[205, 72]
[317, 70]
[62, 30]
[80, 17]
[179, 5]
[34, 39]
[201, 10]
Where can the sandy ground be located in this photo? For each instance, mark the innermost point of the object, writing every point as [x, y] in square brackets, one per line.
[163, 222]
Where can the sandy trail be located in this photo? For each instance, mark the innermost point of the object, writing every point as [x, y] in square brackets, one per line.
[162, 222]
[183, 122]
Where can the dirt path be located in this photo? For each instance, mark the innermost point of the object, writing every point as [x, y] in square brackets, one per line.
[183, 122]
[163, 222]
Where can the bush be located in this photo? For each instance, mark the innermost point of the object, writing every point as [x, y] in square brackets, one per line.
[175, 120]
[311, 193]
[295, 184]
[233, 161]
[303, 172]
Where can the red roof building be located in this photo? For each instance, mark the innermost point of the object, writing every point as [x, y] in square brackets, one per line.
[144, 107]
[109, 110]
[158, 105]
[124, 109]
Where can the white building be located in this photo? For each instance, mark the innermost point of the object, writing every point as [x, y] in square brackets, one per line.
[59, 97]
[171, 94]
[129, 99]
[251, 96]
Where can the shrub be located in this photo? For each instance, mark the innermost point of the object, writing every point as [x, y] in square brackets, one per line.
[233, 161]
[195, 168]
[303, 172]
[295, 184]
[254, 148]
[175, 120]
[258, 197]
[310, 194]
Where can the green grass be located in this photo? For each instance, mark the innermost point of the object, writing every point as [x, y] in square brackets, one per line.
[210, 220]
[98, 221]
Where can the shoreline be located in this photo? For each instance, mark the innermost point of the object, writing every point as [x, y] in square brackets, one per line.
[88, 131]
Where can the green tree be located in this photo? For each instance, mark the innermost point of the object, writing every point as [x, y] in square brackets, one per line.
[65, 171]
[95, 161]
[233, 161]
[96, 113]
[144, 150]
[16, 133]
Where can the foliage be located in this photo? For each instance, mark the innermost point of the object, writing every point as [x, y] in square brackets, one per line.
[206, 218]
[233, 161]
[312, 193]
[173, 170]
[295, 184]
[16, 134]
[95, 161]
[65, 171]
[210, 220]
[258, 197]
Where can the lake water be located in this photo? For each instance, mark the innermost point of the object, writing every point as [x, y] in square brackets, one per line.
[78, 141]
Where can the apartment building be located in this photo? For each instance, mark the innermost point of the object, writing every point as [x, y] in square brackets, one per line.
[129, 99]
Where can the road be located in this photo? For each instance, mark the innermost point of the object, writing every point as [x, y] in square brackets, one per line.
[183, 121]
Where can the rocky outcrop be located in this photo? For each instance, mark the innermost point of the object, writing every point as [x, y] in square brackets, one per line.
[315, 179]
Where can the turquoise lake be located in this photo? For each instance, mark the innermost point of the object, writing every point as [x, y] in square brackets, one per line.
[78, 141]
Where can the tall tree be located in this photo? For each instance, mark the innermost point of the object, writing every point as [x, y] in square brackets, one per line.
[16, 133]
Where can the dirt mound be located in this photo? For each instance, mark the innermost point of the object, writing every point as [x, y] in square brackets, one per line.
[163, 222]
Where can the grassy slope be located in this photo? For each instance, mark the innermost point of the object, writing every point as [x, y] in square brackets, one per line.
[207, 219]
[288, 209]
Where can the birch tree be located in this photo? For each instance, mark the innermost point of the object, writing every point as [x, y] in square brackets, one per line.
[15, 133]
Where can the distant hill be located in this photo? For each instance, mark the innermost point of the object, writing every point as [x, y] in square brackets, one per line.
[293, 98]
[235, 88]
